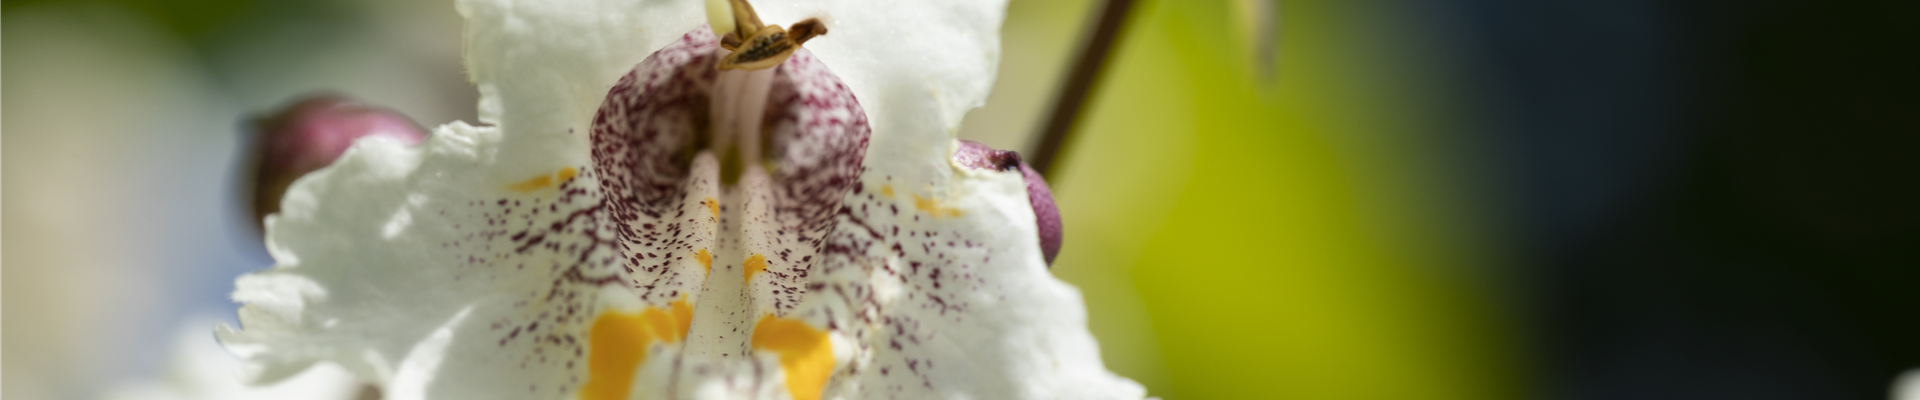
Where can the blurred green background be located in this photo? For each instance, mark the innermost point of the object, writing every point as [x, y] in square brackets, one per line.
[1242, 236]
[1460, 199]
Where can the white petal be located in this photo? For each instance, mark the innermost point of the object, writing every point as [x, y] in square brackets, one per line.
[946, 294]
[435, 271]
[917, 67]
[542, 67]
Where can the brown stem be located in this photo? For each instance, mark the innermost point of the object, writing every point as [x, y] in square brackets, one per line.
[1081, 80]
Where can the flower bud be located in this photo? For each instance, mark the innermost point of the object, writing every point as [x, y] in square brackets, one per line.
[1046, 214]
[308, 135]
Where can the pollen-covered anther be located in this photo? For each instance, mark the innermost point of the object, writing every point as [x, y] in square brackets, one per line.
[806, 30]
[769, 46]
[757, 46]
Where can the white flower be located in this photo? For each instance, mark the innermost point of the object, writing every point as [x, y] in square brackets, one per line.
[600, 238]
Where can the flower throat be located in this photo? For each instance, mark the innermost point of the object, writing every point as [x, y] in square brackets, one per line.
[739, 98]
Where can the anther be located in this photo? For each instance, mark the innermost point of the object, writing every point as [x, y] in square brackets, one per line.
[756, 45]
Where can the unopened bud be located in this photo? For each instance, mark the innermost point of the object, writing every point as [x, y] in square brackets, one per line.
[1046, 214]
[309, 135]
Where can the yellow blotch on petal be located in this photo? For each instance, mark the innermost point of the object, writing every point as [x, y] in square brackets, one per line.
[933, 207]
[712, 205]
[683, 315]
[886, 190]
[805, 353]
[754, 265]
[617, 345]
[706, 259]
[544, 181]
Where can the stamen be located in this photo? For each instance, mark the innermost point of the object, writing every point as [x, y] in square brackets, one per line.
[745, 21]
[768, 47]
[738, 107]
[806, 29]
[739, 100]
[753, 108]
[720, 18]
[724, 113]
[754, 45]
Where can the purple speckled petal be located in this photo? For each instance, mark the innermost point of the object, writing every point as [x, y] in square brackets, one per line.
[943, 289]
[770, 223]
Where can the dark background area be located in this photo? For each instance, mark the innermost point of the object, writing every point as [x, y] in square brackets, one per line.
[1710, 200]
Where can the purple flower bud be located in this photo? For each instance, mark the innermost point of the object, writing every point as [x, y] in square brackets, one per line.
[308, 135]
[976, 155]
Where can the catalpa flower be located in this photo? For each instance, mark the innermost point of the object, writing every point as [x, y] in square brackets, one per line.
[667, 200]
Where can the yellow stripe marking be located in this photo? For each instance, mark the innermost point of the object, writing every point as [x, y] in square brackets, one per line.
[934, 208]
[544, 181]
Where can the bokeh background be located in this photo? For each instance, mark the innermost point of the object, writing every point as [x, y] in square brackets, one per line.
[1360, 199]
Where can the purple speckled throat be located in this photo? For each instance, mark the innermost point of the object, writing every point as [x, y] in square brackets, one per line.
[649, 134]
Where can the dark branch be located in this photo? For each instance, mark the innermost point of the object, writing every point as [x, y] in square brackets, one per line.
[1070, 102]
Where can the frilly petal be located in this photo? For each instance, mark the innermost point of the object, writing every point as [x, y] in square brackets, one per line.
[198, 369]
[409, 265]
[917, 66]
